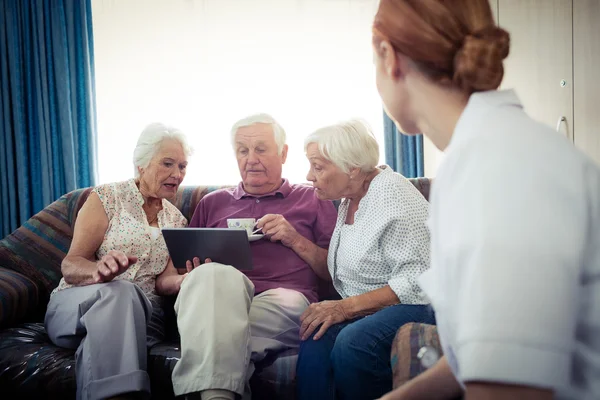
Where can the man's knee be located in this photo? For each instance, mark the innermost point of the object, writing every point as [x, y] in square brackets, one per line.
[281, 302]
[215, 280]
[288, 298]
[215, 273]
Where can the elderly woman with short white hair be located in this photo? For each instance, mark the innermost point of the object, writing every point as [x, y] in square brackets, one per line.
[379, 247]
[106, 305]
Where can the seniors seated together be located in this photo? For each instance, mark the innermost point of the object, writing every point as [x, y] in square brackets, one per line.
[515, 221]
[379, 247]
[106, 306]
[229, 320]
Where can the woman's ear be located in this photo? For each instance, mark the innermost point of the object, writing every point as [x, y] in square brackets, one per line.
[390, 60]
[140, 171]
[353, 173]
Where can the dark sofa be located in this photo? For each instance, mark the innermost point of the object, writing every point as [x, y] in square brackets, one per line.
[31, 367]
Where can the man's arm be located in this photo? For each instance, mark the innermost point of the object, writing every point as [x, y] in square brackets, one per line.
[277, 228]
[314, 256]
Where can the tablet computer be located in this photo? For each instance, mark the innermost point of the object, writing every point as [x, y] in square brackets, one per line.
[222, 245]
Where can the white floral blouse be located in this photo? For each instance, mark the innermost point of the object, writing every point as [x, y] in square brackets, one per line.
[128, 231]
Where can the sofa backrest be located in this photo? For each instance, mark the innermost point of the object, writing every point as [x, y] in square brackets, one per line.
[36, 249]
[188, 197]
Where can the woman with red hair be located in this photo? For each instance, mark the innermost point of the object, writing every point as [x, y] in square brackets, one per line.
[515, 213]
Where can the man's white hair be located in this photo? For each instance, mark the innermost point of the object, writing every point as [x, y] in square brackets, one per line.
[349, 144]
[150, 141]
[262, 118]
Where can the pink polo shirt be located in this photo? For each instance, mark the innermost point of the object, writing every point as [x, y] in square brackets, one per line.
[275, 265]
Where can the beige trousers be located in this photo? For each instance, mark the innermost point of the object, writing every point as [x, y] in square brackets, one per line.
[225, 329]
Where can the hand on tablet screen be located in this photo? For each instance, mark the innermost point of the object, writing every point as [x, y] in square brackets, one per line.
[190, 265]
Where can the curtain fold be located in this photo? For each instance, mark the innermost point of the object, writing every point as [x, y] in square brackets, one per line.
[47, 105]
[403, 153]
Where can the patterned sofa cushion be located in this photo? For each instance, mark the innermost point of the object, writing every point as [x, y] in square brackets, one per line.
[18, 297]
[405, 349]
[37, 247]
[188, 197]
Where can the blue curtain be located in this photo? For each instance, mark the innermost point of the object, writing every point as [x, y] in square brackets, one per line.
[402, 152]
[47, 105]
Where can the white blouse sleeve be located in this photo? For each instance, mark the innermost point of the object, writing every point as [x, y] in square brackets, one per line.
[406, 250]
[405, 243]
[513, 244]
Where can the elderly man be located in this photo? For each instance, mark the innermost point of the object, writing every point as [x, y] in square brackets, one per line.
[228, 320]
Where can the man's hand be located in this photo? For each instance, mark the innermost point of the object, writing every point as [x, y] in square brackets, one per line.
[277, 228]
[325, 313]
[112, 265]
[189, 267]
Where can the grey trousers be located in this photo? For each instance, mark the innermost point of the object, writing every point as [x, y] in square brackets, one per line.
[107, 324]
[225, 329]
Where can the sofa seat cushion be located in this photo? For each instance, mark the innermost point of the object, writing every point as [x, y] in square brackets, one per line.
[37, 247]
[274, 377]
[405, 349]
[18, 297]
[32, 367]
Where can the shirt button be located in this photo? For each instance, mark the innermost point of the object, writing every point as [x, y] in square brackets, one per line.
[257, 200]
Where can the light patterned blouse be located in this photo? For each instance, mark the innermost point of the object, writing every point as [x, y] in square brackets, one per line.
[388, 244]
[128, 231]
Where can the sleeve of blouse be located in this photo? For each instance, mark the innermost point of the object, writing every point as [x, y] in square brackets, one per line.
[516, 255]
[183, 222]
[405, 242]
[108, 198]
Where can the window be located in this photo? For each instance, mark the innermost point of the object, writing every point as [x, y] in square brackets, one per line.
[202, 65]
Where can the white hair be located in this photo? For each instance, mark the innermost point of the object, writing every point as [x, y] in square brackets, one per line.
[150, 141]
[278, 131]
[349, 144]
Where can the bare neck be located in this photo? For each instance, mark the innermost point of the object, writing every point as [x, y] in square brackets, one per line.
[361, 186]
[261, 190]
[149, 201]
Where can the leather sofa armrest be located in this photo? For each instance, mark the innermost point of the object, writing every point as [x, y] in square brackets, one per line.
[19, 297]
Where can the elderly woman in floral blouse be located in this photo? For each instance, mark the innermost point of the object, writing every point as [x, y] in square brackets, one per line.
[105, 302]
[378, 249]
